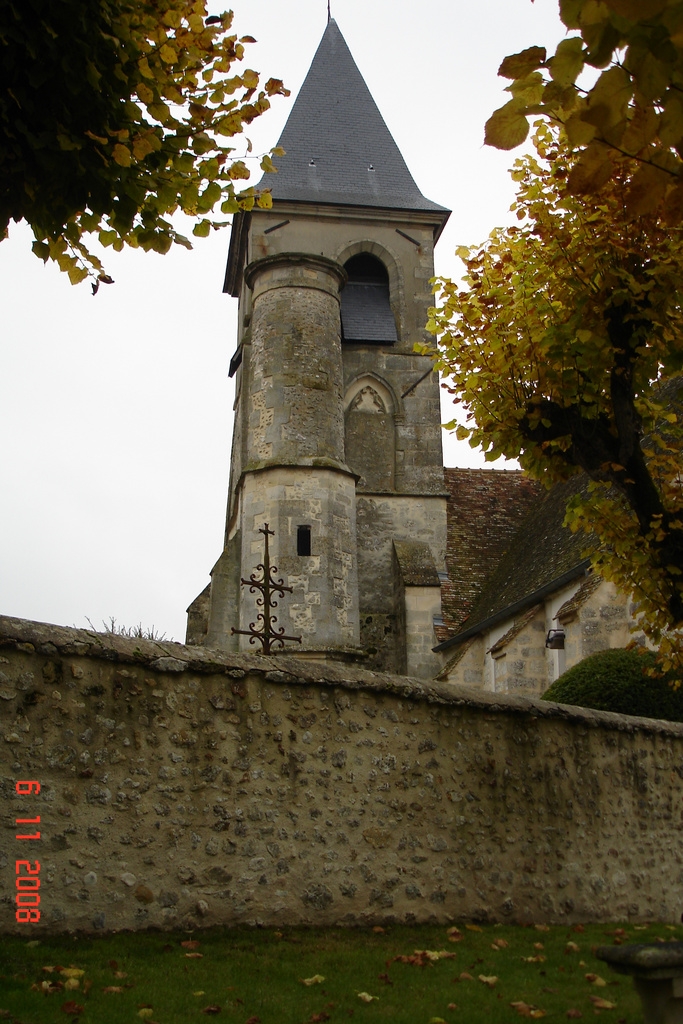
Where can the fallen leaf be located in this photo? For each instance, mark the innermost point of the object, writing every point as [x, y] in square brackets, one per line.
[48, 970]
[602, 1004]
[378, 930]
[277, 935]
[318, 1018]
[574, 1014]
[212, 1009]
[72, 1008]
[253, 1020]
[200, 993]
[146, 1012]
[72, 983]
[538, 959]
[473, 927]
[538, 945]
[571, 947]
[466, 977]
[436, 1020]
[541, 927]
[190, 944]
[499, 944]
[489, 980]
[50, 987]
[194, 956]
[577, 928]
[595, 979]
[113, 988]
[71, 972]
[366, 997]
[422, 957]
[527, 1009]
[454, 934]
[317, 979]
[452, 1006]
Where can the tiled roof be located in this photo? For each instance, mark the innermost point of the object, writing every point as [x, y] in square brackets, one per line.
[534, 548]
[485, 510]
[338, 148]
[542, 551]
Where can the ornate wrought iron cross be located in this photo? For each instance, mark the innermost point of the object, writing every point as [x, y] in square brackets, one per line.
[267, 586]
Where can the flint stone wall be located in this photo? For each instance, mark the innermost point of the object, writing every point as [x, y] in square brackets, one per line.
[183, 786]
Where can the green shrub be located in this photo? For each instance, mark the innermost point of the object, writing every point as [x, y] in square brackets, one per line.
[616, 680]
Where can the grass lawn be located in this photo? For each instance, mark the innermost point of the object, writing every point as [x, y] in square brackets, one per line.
[250, 976]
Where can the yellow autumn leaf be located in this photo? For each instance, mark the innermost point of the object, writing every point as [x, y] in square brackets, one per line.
[72, 983]
[519, 64]
[595, 979]
[602, 1004]
[122, 155]
[489, 980]
[168, 54]
[507, 127]
[249, 78]
[366, 997]
[317, 979]
[142, 147]
[72, 972]
[473, 927]
[145, 1012]
[567, 62]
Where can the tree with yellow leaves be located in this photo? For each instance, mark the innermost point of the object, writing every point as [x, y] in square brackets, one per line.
[114, 114]
[629, 120]
[564, 347]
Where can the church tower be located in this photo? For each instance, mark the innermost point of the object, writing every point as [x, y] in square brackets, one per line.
[337, 438]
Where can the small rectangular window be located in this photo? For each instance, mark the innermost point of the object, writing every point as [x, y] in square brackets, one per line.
[303, 540]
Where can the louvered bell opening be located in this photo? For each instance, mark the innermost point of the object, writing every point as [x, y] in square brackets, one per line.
[365, 310]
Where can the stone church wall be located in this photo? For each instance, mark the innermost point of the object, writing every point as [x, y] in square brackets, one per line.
[180, 786]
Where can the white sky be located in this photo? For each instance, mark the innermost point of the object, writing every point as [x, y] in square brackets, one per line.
[116, 411]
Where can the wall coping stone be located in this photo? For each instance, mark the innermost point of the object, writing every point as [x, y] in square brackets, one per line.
[168, 656]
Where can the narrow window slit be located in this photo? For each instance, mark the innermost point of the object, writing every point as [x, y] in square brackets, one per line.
[303, 540]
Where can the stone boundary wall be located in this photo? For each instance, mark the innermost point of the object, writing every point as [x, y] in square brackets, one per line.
[185, 787]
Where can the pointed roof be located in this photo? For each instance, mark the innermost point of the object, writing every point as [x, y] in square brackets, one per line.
[338, 148]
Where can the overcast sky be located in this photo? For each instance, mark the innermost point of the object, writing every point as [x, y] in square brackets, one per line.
[116, 411]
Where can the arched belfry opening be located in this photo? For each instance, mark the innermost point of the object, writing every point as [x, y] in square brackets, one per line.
[366, 313]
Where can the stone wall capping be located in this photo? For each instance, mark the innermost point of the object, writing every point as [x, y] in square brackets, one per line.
[168, 656]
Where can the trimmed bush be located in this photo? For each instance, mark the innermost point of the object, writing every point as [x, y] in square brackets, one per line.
[615, 680]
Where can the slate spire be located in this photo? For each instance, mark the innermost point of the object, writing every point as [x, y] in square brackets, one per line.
[338, 148]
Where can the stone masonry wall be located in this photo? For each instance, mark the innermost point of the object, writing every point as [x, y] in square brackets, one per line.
[181, 786]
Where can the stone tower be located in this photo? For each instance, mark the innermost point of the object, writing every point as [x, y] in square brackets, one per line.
[337, 439]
